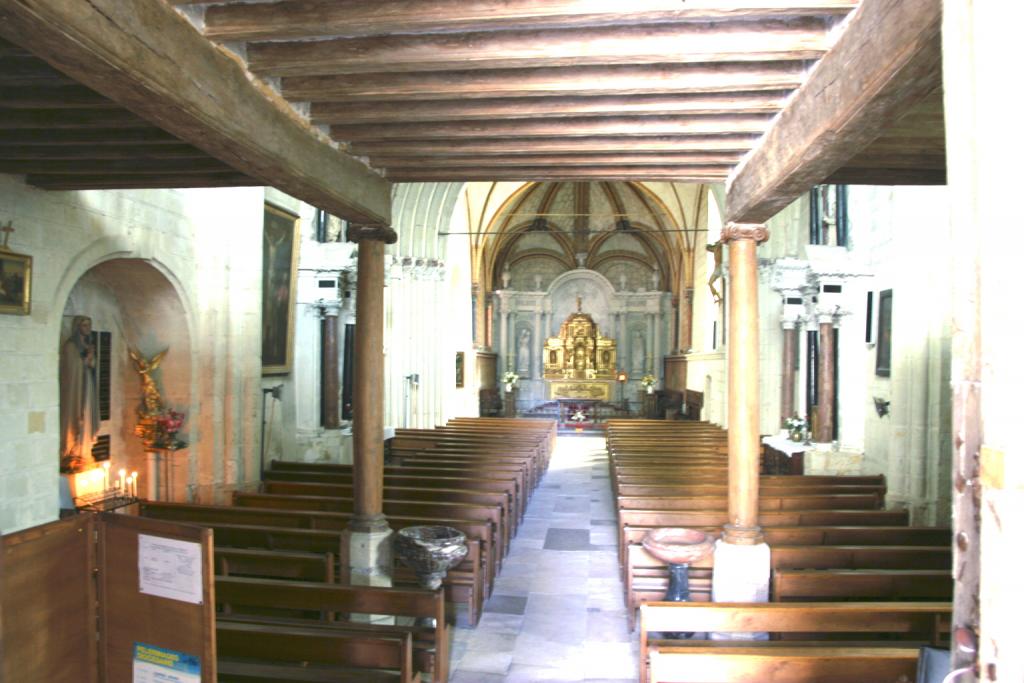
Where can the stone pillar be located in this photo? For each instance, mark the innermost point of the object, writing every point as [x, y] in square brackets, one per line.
[685, 331]
[480, 311]
[329, 378]
[538, 347]
[826, 380]
[789, 351]
[658, 364]
[649, 351]
[503, 331]
[369, 547]
[742, 559]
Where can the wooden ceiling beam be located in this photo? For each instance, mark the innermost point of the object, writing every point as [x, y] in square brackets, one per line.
[353, 18]
[888, 176]
[17, 70]
[99, 152]
[55, 97]
[56, 119]
[888, 59]
[151, 60]
[134, 181]
[89, 137]
[533, 107]
[100, 167]
[685, 43]
[392, 163]
[569, 127]
[527, 173]
[578, 145]
[577, 81]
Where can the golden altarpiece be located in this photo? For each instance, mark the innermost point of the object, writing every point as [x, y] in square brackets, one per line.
[580, 362]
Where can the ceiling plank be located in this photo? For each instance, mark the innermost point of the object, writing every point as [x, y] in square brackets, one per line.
[887, 59]
[353, 18]
[45, 137]
[528, 173]
[99, 167]
[392, 163]
[95, 152]
[571, 127]
[798, 38]
[55, 97]
[56, 119]
[511, 146]
[133, 181]
[532, 107]
[583, 80]
[148, 58]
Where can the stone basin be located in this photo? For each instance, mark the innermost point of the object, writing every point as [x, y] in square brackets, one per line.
[674, 545]
[430, 551]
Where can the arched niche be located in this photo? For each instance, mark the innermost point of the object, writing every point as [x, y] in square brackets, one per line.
[597, 293]
[134, 300]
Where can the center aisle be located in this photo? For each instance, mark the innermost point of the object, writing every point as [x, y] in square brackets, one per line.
[556, 613]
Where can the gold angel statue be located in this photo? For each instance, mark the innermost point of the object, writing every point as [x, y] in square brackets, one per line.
[152, 402]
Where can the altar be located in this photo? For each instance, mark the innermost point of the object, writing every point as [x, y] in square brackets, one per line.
[579, 363]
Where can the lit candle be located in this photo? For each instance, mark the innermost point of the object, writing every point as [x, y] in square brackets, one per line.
[121, 475]
[106, 475]
[135, 487]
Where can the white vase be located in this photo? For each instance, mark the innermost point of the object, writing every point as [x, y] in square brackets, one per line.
[508, 387]
[650, 389]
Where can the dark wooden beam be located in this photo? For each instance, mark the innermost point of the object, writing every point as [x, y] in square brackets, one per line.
[577, 81]
[12, 119]
[392, 163]
[100, 167]
[299, 19]
[533, 107]
[799, 39]
[569, 127]
[888, 176]
[95, 152]
[151, 60]
[886, 61]
[132, 181]
[55, 97]
[89, 137]
[16, 70]
[595, 145]
[677, 173]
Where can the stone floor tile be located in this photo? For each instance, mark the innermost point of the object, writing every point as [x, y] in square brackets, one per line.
[505, 604]
[567, 539]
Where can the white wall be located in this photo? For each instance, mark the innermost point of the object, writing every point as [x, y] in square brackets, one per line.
[206, 245]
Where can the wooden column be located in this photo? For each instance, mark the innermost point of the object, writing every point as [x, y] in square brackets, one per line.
[744, 431]
[789, 351]
[826, 381]
[329, 380]
[368, 393]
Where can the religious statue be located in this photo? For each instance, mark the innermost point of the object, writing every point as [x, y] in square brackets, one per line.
[506, 278]
[524, 353]
[79, 402]
[716, 274]
[152, 403]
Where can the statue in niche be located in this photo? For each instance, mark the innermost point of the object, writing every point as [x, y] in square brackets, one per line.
[506, 278]
[655, 280]
[524, 353]
[638, 352]
[536, 281]
[152, 402]
[622, 282]
[79, 401]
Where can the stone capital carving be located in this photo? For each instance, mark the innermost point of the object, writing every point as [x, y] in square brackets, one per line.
[744, 231]
[382, 233]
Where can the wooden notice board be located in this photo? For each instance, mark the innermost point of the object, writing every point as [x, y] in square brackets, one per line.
[72, 608]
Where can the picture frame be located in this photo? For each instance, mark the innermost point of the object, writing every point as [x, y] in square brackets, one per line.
[883, 343]
[15, 283]
[280, 256]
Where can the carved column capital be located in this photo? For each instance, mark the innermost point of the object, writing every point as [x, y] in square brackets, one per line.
[744, 231]
[382, 233]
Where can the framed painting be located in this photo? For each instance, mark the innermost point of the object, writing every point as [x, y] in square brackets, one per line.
[280, 256]
[15, 283]
[883, 349]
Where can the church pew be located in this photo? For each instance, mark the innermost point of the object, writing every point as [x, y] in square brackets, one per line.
[314, 474]
[861, 584]
[392, 508]
[833, 535]
[702, 660]
[470, 457]
[788, 501]
[295, 566]
[411, 494]
[628, 488]
[272, 652]
[255, 600]
[290, 530]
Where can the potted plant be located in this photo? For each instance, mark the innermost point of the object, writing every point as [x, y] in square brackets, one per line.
[797, 427]
[648, 381]
[509, 378]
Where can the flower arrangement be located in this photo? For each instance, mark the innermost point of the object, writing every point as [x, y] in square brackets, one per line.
[797, 427]
[510, 377]
[648, 380]
[161, 430]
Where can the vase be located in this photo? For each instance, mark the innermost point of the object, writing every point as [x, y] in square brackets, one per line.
[650, 389]
[508, 387]
[796, 435]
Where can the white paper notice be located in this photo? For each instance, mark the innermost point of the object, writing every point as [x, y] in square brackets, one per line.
[171, 569]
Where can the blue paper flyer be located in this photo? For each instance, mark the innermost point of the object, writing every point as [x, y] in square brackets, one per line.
[152, 664]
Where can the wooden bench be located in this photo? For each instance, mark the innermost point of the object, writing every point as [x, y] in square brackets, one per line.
[275, 564]
[861, 584]
[247, 653]
[795, 661]
[789, 501]
[263, 601]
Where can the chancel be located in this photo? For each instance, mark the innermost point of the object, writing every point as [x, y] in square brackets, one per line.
[743, 265]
